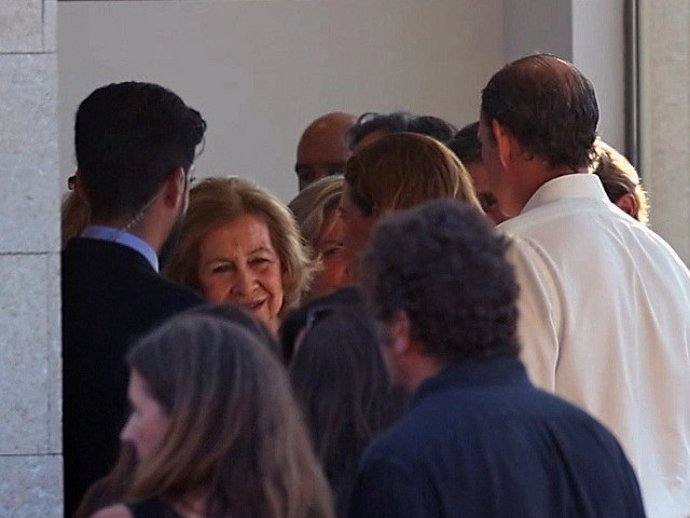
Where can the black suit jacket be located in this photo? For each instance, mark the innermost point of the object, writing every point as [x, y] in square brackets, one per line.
[110, 296]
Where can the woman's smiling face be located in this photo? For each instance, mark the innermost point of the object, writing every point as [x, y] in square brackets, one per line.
[238, 265]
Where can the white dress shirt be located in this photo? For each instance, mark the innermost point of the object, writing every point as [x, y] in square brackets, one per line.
[605, 323]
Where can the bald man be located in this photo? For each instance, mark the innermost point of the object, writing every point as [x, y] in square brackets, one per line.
[322, 150]
[604, 302]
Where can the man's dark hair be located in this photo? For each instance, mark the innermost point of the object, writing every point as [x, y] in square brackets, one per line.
[548, 105]
[466, 145]
[399, 122]
[128, 138]
[444, 266]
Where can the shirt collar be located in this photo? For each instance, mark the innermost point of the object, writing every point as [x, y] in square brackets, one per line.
[575, 185]
[496, 370]
[124, 238]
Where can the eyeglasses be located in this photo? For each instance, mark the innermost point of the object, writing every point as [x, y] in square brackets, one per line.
[311, 172]
[190, 177]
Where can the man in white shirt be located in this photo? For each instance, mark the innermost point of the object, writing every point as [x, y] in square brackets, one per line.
[605, 302]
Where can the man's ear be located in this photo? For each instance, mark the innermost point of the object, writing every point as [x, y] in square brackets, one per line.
[78, 187]
[400, 332]
[174, 187]
[628, 204]
[505, 142]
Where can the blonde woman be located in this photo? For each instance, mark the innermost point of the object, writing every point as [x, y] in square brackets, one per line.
[240, 245]
[398, 171]
[621, 181]
[316, 211]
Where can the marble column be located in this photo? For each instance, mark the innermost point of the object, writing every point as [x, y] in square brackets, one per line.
[665, 117]
[30, 388]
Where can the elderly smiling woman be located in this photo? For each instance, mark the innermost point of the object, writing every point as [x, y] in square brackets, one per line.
[240, 245]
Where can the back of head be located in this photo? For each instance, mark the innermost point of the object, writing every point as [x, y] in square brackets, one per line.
[235, 432]
[432, 126]
[398, 122]
[402, 170]
[453, 280]
[241, 317]
[466, 145]
[619, 177]
[548, 105]
[322, 149]
[128, 138]
[339, 377]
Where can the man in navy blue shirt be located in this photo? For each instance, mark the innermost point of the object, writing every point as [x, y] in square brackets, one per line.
[479, 438]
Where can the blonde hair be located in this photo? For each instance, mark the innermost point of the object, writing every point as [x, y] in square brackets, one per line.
[75, 215]
[236, 435]
[619, 177]
[217, 201]
[313, 202]
[403, 170]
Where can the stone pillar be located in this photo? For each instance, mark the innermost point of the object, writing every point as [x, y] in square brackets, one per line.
[30, 388]
[665, 117]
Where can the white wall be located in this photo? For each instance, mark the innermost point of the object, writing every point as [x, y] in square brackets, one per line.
[531, 26]
[259, 71]
[665, 117]
[587, 32]
[599, 50]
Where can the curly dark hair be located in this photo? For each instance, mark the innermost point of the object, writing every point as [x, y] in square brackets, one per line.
[548, 105]
[444, 266]
[128, 138]
[399, 122]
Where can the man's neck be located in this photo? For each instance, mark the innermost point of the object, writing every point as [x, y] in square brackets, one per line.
[424, 367]
[140, 229]
[528, 182]
[124, 238]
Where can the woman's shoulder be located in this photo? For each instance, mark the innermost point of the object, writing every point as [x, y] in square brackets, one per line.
[113, 511]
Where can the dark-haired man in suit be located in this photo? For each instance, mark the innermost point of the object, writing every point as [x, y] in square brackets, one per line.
[135, 145]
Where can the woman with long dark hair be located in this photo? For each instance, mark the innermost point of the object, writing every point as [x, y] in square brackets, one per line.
[215, 428]
[340, 379]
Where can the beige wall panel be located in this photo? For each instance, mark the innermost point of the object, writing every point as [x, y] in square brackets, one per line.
[31, 487]
[53, 353]
[49, 25]
[21, 26]
[30, 401]
[665, 113]
[29, 197]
